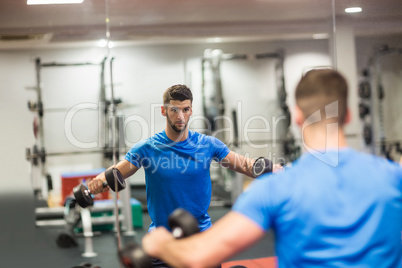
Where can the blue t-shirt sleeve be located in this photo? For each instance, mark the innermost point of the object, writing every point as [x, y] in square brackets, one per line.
[254, 202]
[136, 154]
[219, 149]
[399, 176]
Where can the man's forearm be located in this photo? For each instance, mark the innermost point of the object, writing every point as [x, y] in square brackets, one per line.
[248, 166]
[178, 253]
[226, 237]
[239, 163]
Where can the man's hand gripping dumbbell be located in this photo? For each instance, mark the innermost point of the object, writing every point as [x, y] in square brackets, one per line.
[182, 224]
[113, 177]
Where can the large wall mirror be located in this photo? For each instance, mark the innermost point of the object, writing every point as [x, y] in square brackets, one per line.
[256, 51]
[61, 49]
[62, 65]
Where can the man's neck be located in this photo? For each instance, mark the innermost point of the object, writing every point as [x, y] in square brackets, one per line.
[176, 136]
[323, 139]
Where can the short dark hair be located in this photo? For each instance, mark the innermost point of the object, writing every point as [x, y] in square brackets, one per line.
[177, 92]
[321, 87]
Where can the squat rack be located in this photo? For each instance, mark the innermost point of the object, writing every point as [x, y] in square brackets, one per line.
[214, 110]
[38, 151]
[214, 59]
[111, 152]
[372, 93]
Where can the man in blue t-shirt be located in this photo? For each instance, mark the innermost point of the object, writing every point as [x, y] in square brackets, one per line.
[335, 207]
[177, 164]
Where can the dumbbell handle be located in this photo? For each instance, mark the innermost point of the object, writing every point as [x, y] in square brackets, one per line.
[104, 185]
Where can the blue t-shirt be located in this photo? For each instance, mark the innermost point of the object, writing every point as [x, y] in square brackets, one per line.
[177, 174]
[349, 215]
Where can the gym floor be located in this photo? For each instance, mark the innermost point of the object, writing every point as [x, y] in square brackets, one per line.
[24, 245]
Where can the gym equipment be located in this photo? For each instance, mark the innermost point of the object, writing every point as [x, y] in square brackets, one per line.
[35, 126]
[35, 154]
[363, 110]
[69, 180]
[364, 90]
[261, 165]
[84, 223]
[83, 195]
[375, 138]
[39, 169]
[366, 107]
[291, 153]
[213, 105]
[367, 134]
[225, 182]
[86, 265]
[73, 216]
[381, 93]
[286, 113]
[182, 224]
[391, 149]
[66, 240]
[290, 148]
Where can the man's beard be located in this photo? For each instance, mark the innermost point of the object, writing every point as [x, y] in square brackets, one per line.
[174, 127]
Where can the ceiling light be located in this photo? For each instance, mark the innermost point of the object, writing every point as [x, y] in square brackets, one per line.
[51, 2]
[320, 36]
[353, 9]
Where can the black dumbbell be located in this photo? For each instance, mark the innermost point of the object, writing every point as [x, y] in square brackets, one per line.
[261, 165]
[86, 265]
[83, 195]
[182, 224]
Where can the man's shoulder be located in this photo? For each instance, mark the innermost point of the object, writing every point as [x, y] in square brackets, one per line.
[197, 136]
[195, 133]
[148, 141]
[201, 136]
[373, 159]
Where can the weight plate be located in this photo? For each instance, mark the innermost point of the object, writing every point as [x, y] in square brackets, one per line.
[35, 152]
[133, 256]
[367, 133]
[363, 110]
[35, 127]
[83, 196]
[364, 90]
[65, 240]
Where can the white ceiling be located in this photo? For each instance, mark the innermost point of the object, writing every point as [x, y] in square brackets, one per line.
[180, 20]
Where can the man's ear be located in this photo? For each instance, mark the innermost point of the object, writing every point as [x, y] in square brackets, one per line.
[299, 117]
[348, 116]
[163, 110]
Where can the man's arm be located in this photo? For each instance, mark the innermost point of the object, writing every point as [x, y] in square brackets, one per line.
[244, 165]
[126, 169]
[228, 236]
